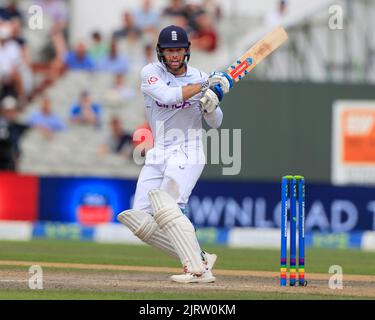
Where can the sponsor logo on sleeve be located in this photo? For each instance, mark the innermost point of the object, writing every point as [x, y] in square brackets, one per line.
[152, 80]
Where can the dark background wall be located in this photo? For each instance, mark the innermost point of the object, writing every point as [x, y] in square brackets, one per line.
[286, 127]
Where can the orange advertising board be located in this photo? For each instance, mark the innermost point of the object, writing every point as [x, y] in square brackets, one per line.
[358, 135]
[353, 142]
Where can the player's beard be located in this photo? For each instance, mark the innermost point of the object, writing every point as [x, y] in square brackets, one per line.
[176, 68]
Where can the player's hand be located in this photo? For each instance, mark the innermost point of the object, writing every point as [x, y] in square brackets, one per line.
[222, 79]
[211, 99]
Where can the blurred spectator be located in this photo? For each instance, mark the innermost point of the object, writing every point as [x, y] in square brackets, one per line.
[25, 67]
[55, 24]
[119, 91]
[212, 9]
[50, 64]
[182, 22]
[146, 18]
[193, 9]
[99, 48]
[16, 32]
[45, 120]
[78, 59]
[273, 17]
[129, 29]
[119, 141]
[10, 61]
[56, 12]
[53, 64]
[49, 51]
[205, 38]
[113, 62]
[85, 111]
[11, 132]
[10, 11]
[16, 35]
[149, 55]
[175, 8]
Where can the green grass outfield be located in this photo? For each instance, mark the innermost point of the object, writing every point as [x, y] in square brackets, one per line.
[81, 295]
[317, 261]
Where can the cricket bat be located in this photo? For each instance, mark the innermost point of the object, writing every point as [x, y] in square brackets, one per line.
[247, 62]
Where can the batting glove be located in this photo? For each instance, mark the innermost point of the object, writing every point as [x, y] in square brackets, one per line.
[211, 99]
[222, 79]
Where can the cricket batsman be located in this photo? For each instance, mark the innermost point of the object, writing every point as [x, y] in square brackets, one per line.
[177, 97]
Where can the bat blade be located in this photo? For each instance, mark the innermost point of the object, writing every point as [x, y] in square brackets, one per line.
[247, 62]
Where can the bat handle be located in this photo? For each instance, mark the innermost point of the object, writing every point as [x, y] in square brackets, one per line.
[203, 100]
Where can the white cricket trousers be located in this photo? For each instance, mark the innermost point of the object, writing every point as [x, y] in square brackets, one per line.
[175, 170]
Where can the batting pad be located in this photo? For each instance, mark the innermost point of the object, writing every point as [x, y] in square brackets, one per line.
[178, 228]
[145, 228]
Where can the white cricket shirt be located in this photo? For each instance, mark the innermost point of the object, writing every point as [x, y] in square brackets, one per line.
[167, 112]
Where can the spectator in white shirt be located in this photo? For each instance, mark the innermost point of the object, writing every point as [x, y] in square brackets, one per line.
[10, 60]
[274, 17]
[119, 91]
